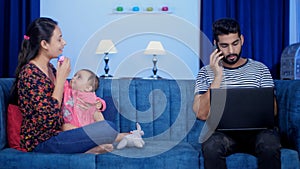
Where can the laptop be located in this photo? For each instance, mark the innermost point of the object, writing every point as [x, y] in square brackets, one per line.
[242, 108]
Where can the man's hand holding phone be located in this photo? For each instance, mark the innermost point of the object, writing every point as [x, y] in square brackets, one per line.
[216, 64]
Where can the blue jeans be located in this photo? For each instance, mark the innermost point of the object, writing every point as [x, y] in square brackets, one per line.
[80, 140]
[265, 145]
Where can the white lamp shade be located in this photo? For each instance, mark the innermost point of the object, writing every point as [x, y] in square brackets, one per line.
[106, 46]
[155, 48]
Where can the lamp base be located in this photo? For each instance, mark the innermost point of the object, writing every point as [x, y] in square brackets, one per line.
[155, 77]
[106, 76]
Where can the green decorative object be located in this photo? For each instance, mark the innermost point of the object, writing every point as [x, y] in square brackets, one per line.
[119, 8]
[149, 9]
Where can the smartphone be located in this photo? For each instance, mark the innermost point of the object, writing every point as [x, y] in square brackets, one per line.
[217, 47]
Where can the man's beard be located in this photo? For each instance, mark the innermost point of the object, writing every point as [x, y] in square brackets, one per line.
[229, 61]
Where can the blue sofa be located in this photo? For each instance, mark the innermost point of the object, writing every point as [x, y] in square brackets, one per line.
[164, 110]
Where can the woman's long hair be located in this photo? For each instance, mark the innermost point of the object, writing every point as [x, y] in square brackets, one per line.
[40, 29]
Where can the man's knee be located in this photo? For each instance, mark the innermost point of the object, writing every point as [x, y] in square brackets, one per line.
[217, 144]
[268, 142]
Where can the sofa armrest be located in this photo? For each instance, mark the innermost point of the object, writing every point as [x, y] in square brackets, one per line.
[288, 102]
[5, 85]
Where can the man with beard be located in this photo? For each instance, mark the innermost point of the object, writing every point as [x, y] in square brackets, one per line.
[228, 69]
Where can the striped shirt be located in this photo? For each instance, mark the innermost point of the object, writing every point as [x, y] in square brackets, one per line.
[251, 74]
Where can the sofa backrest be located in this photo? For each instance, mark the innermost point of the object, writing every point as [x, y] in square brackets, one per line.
[288, 102]
[162, 107]
[5, 85]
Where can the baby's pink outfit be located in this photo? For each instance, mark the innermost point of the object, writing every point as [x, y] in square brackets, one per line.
[79, 107]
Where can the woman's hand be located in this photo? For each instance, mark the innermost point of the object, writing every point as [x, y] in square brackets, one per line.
[82, 104]
[62, 72]
[67, 126]
[63, 69]
[98, 116]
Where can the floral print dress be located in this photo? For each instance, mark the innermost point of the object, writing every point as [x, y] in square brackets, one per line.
[41, 113]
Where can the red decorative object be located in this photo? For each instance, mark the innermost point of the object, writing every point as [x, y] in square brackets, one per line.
[164, 8]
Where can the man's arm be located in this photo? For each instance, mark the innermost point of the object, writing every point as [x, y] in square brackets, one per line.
[275, 107]
[201, 105]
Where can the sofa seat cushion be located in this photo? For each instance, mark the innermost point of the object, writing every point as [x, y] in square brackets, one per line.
[12, 158]
[289, 159]
[241, 160]
[288, 101]
[155, 154]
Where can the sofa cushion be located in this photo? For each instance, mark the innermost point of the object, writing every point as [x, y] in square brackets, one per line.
[5, 85]
[155, 154]
[14, 122]
[11, 158]
[288, 101]
[289, 159]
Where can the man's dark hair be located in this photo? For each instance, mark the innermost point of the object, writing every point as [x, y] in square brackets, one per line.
[225, 26]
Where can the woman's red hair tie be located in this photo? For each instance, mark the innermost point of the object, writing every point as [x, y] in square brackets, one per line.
[26, 37]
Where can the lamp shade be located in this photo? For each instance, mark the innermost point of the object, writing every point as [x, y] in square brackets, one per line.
[106, 46]
[155, 48]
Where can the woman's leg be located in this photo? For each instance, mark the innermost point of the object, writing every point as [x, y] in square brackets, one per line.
[81, 139]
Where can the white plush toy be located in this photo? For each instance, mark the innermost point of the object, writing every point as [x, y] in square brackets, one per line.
[134, 139]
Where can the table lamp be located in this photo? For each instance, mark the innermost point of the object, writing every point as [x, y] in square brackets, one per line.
[155, 48]
[106, 47]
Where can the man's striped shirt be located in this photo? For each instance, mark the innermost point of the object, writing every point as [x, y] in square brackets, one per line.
[251, 74]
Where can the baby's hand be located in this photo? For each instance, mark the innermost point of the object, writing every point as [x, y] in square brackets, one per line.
[99, 105]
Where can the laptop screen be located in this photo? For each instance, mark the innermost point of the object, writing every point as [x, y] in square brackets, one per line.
[242, 108]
